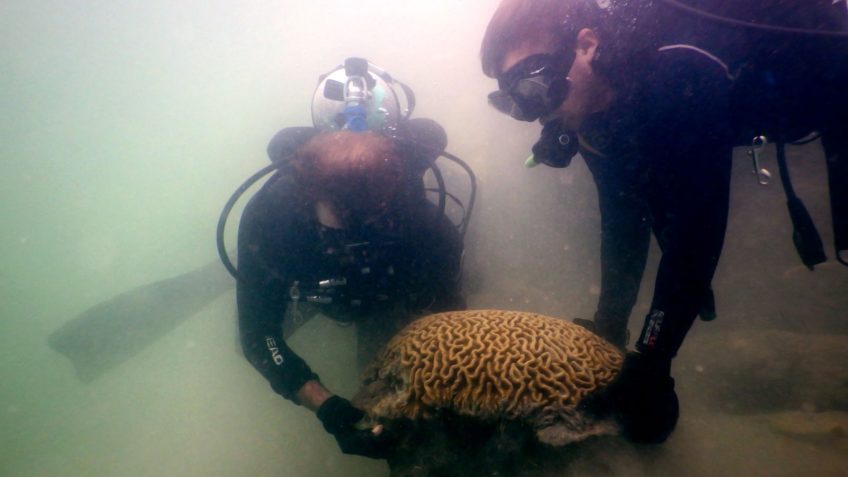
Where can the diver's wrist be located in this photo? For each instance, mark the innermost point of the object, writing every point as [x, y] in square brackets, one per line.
[312, 394]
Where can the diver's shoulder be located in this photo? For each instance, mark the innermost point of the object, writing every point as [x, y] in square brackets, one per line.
[682, 58]
[287, 140]
[277, 201]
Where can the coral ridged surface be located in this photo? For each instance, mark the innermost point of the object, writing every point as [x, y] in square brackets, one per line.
[491, 364]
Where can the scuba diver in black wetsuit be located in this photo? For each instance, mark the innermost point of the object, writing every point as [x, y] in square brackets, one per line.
[654, 95]
[345, 227]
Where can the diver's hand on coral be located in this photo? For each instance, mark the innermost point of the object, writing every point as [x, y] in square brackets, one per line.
[340, 419]
[644, 398]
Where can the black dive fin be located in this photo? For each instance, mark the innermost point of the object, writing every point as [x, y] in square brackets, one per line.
[109, 333]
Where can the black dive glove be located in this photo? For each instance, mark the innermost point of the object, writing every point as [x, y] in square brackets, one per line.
[339, 418]
[644, 399]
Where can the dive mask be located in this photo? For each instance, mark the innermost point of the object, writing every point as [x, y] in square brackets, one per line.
[534, 87]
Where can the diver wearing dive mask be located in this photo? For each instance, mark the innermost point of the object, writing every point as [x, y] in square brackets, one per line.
[665, 105]
[345, 227]
[341, 229]
[534, 87]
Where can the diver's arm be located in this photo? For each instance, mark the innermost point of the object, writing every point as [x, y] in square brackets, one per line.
[263, 345]
[290, 376]
[261, 297]
[689, 192]
[312, 395]
[689, 145]
[625, 237]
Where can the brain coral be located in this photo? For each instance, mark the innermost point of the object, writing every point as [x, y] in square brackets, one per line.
[490, 364]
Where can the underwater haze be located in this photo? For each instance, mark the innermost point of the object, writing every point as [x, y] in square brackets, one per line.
[127, 125]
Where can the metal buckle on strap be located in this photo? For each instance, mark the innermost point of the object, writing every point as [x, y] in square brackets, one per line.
[758, 144]
[294, 294]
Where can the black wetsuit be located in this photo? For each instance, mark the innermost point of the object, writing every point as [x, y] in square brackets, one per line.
[391, 273]
[661, 159]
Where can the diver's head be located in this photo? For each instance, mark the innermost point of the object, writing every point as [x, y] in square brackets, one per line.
[542, 53]
[357, 96]
[356, 178]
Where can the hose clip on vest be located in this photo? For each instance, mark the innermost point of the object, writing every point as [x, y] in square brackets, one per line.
[758, 145]
[294, 294]
[332, 282]
[319, 299]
